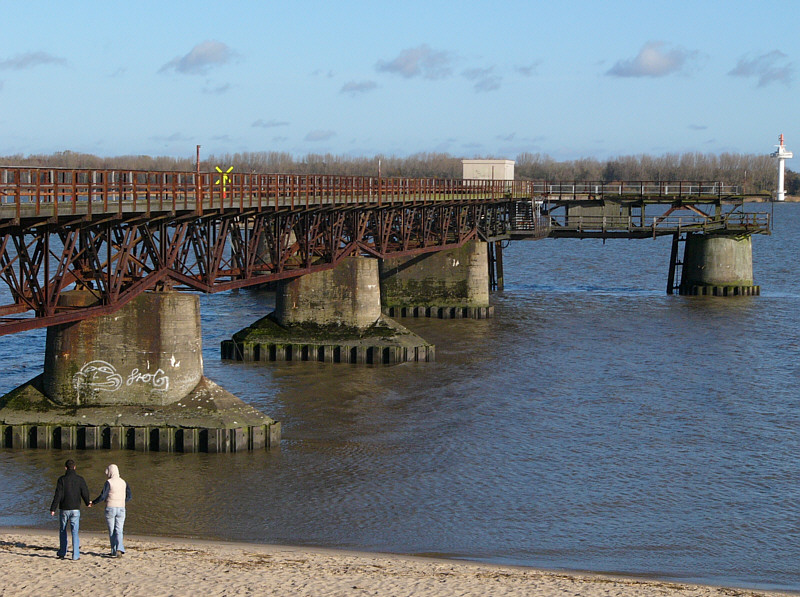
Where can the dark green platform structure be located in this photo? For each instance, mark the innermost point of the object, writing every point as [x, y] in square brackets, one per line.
[131, 380]
[222, 424]
[385, 342]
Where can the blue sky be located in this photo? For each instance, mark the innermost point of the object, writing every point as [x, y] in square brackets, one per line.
[568, 79]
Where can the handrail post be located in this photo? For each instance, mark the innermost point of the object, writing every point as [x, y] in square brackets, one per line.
[89, 181]
[198, 194]
[133, 188]
[38, 192]
[18, 196]
[54, 176]
[147, 192]
[174, 177]
[74, 176]
[120, 190]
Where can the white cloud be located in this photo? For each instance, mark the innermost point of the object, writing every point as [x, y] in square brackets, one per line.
[173, 138]
[655, 59]
[356, 87]
[420, 61]
[200, 59]
[30, 60]
[771, 67]
[484, 78]
[268, 124]
[216, 89]
[320, 135]
[528, 70]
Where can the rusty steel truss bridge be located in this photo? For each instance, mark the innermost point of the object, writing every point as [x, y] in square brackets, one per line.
[119, 233]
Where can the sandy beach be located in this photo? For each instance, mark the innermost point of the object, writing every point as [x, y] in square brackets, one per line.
[170, 566]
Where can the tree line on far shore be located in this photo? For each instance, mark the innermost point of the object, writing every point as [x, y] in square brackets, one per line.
[755, 172]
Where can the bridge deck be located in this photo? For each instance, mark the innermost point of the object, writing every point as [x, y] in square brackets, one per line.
[55, 193]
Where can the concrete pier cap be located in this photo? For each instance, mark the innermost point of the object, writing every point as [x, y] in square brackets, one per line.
[147, 353]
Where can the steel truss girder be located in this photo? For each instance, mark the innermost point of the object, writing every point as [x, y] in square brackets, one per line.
[117, 259]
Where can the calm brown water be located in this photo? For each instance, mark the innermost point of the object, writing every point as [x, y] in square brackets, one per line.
[595, 423]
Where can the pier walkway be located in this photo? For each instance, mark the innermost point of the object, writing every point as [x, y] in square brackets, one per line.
[118, 233]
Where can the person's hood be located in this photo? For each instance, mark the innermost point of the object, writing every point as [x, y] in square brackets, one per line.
[112, 471]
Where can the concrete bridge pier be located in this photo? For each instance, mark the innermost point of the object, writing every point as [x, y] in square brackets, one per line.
[148, 353]
[132, 379]
[347, 295]
[333, 316]
[445, 284]
[718, 265]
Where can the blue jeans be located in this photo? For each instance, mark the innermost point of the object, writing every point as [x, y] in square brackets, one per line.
[115, 518]
[73, 519]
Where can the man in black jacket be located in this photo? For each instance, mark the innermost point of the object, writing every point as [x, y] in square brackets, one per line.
[70, 490]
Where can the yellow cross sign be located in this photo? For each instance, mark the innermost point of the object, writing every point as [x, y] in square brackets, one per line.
[223, 180]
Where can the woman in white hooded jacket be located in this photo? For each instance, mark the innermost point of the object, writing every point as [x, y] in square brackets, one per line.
[117, 492]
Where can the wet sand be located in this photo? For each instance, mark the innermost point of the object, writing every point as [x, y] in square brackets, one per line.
[176, 566]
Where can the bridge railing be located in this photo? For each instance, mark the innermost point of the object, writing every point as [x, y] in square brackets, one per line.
[53, 191]
[744, 221]
[570, 190]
